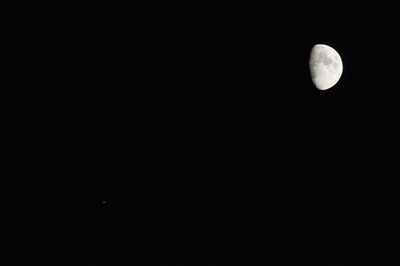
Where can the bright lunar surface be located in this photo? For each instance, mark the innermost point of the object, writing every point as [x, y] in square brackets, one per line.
[326, 66]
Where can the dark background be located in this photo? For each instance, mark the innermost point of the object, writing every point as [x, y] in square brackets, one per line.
[198, 125]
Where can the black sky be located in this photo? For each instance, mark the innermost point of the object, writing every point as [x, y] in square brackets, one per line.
[198, 125]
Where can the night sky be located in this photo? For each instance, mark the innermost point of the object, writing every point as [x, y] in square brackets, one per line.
[191, 134]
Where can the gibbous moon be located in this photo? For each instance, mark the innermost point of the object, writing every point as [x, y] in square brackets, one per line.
[326, 66]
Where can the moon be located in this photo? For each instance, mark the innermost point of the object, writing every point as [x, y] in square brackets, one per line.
[326, 66]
